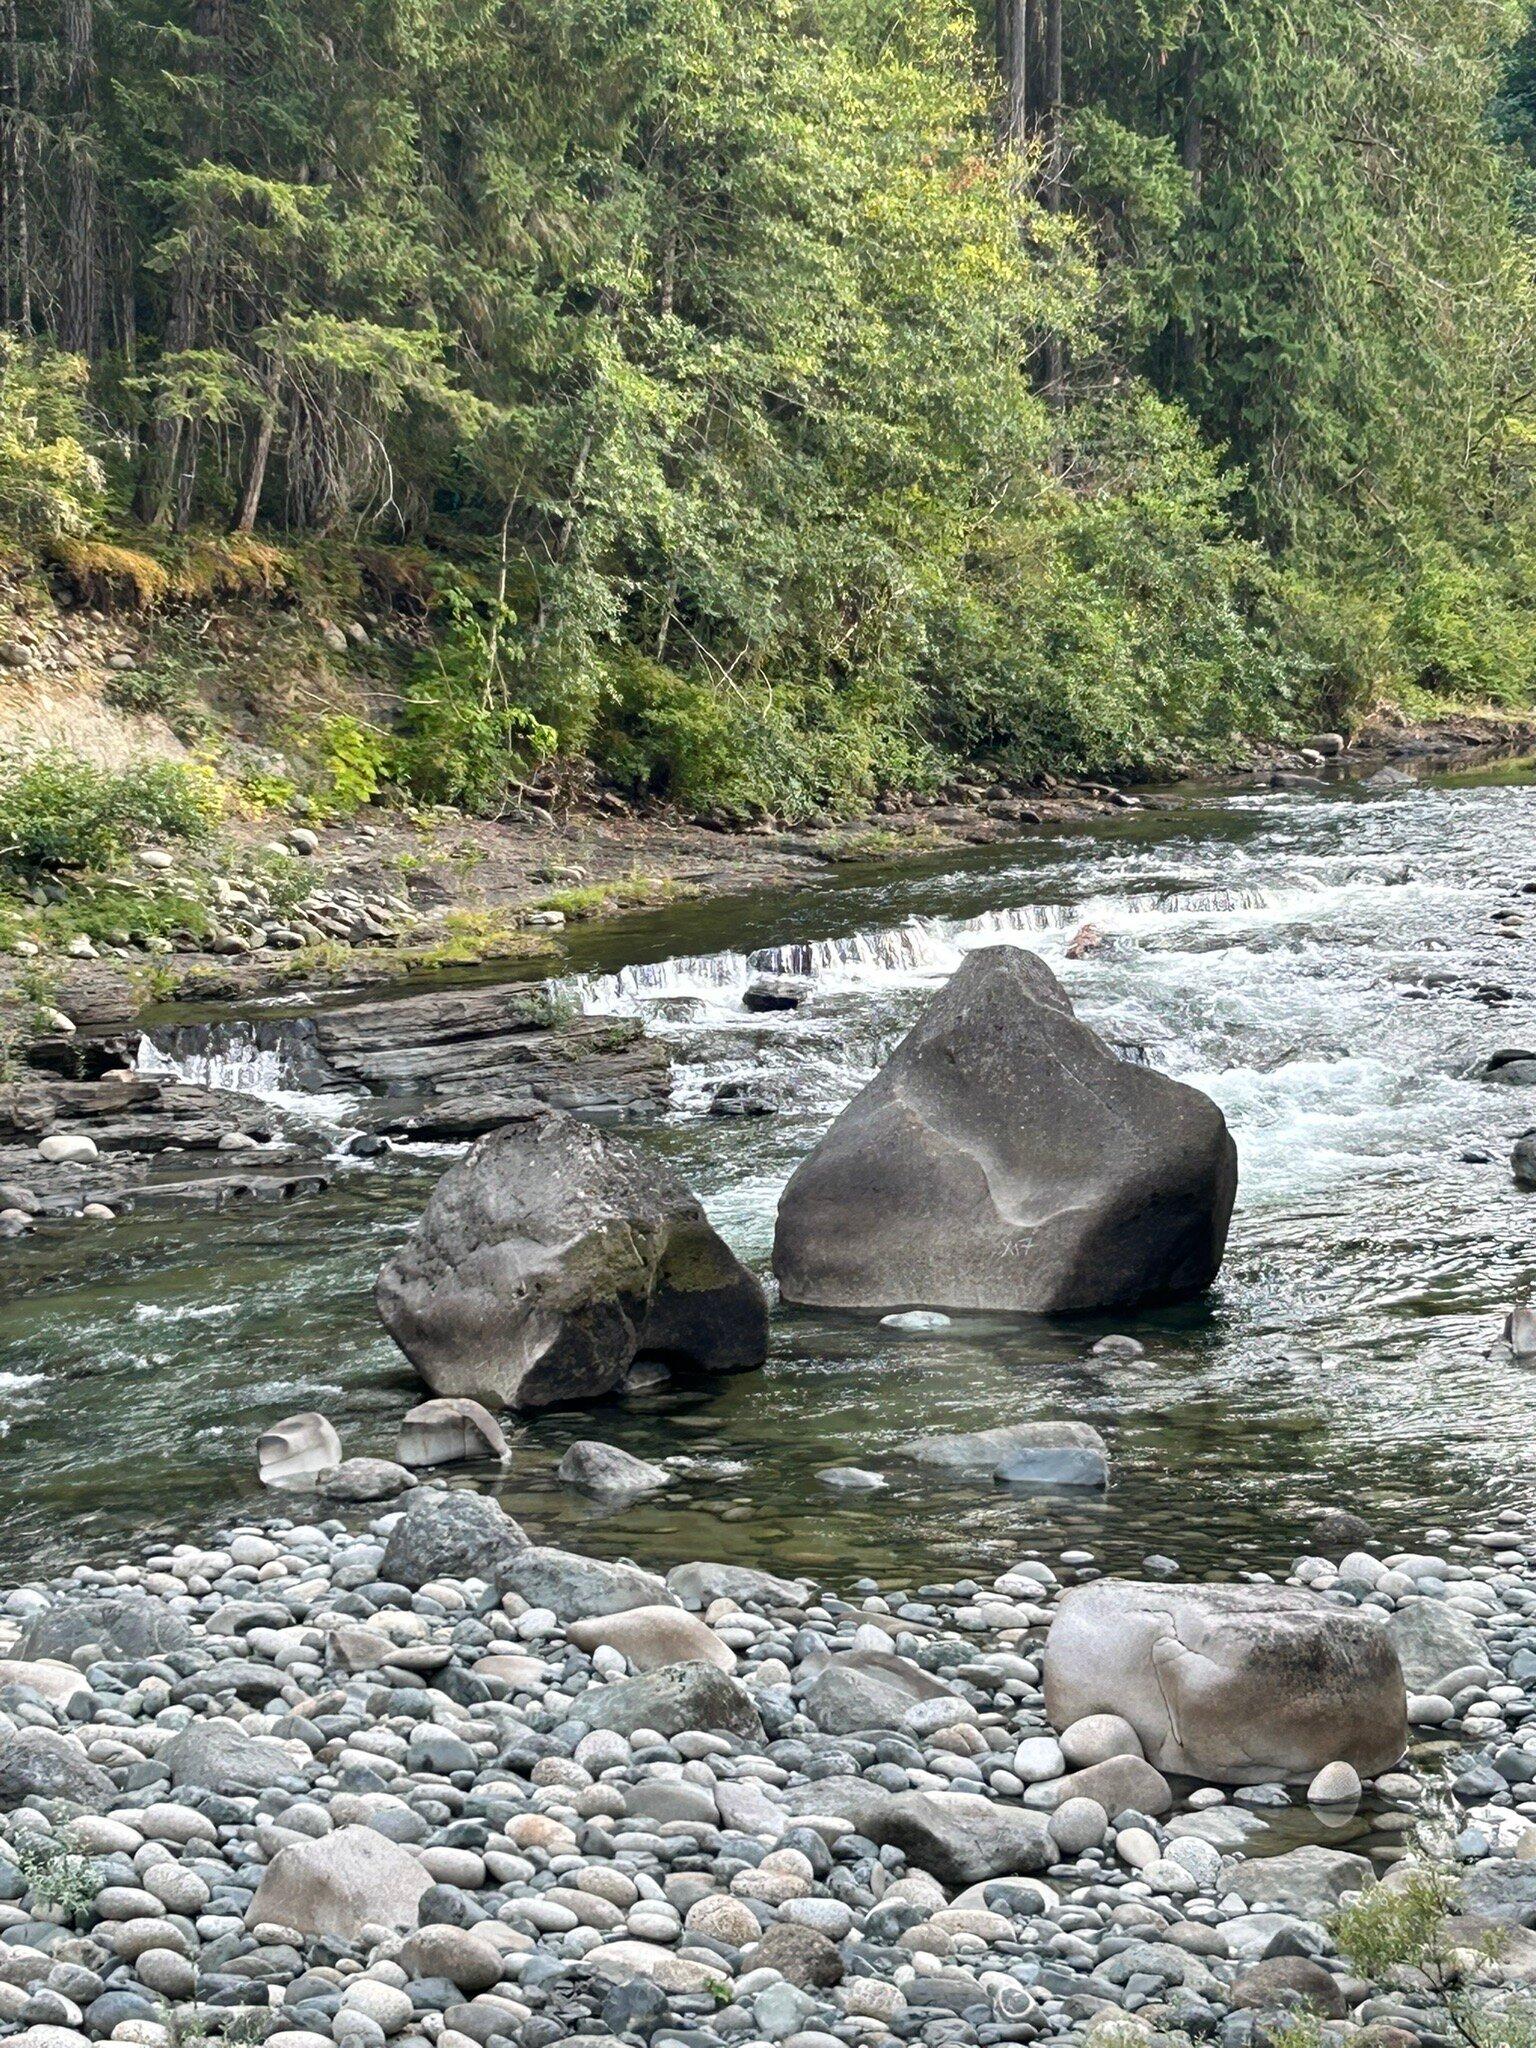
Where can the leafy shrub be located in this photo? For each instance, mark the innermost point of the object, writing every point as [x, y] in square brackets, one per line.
[463, 740]
[1404, 1930]
[51, 481]
[1121, 623]
[61, 811]
[662, 734]
[457, 749]
[355, 760]
[264, 791]
[1464, 632]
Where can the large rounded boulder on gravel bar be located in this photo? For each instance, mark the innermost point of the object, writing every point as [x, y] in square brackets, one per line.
[1239, 1685]
[550, 1258]
[1005, 1158]
[340, 1883]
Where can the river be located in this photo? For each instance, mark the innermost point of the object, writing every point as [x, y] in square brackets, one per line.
[1328, 965]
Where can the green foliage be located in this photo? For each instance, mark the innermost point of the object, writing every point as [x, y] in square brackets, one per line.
[1119, 623]
[795, 433]
[354, 760]
[56, 1876]
[1466, 630]
[462, 739]
[1397, 1926]
[60, 811]
[662, 734]
[51, 479]
[265, 791]
[1406, 1926]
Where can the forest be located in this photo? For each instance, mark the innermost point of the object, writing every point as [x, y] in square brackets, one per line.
[774, 401]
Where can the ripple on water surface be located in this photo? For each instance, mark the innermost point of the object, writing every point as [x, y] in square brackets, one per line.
[1313, 961]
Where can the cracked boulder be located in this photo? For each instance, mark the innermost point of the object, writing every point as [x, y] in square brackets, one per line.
[1005, 1158]
[552, 1257]
[121, 1624]
[1238, 1685]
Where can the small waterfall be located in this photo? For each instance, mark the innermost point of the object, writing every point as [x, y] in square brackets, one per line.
[275, 1060]
[709, 976]
[919, 947]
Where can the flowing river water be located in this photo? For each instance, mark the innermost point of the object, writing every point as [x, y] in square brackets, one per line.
[1328, 965]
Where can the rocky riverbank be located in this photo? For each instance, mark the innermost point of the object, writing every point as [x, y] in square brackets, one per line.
[386, 895]
[421, 1781]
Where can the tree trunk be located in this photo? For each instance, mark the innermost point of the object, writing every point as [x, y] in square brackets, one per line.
[1050, 108]
[80, 293]
[17, 220]
[1053, 174]
[1013, 64]
[255, 474]
[1188, 340]
[168, 476]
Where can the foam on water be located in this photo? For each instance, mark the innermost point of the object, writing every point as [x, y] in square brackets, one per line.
[265, 1061]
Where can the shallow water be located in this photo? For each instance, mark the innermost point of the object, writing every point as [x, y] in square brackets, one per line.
[1314, 960]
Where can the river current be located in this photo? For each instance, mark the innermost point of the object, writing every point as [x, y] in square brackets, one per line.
[1331, 966]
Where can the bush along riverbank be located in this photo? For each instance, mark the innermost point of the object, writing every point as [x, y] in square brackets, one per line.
[125, 889]
[326, 1779]
[390, 898]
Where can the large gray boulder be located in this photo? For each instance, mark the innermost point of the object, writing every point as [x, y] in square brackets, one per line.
[1239, 1685]
[1432, 1641]
[1020, 1454]
[221, 1757]
[551, 1257]
[651, 1637]
[1005, 1158]
[340, 1883]
[955, 1836]
[119, 1624]
[678, 1699]
[577, 1588]
[35, 1763]
[868, 1689]
[1309, 1882]
[698, 1583]
[450, 1536]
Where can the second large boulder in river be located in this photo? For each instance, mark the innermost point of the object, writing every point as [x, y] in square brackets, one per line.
[1005, 1158]
[552, 1256]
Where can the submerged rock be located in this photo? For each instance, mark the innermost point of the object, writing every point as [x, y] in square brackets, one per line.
[1021, 1453]
[1238, 1684]
[1004, 1158]
[604, 1468]
[551, 1257]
